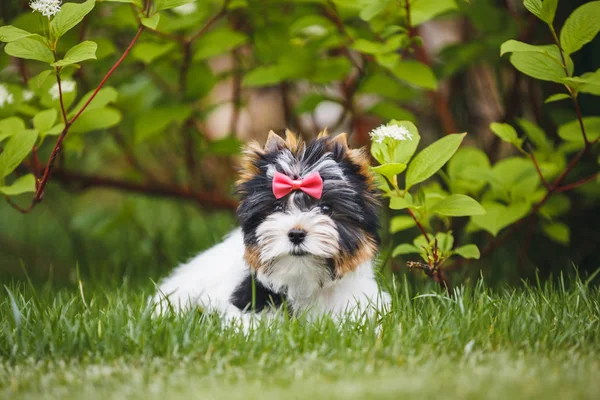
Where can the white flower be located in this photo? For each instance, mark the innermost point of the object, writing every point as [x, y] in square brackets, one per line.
[66, 86]
[394, 132]
[27, 95]
[48, 8]
[186, 9]
[6, 97]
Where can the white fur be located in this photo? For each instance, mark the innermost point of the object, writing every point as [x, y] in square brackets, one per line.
[209, 280]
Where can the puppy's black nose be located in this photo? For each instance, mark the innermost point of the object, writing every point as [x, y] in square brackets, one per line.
[297, 235]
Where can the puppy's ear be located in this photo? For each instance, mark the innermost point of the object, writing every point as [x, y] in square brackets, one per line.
[339, 146]
[323, 134]
[341, 140]
[274, 142]
[291, 140]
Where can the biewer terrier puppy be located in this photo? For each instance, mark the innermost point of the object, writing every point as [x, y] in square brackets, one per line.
[308, 237]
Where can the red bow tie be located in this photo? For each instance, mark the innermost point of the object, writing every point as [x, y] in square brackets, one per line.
[312, 185]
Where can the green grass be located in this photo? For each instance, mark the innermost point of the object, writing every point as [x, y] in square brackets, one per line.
[538, 341]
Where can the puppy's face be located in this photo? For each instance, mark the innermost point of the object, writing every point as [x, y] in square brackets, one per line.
[299, 238]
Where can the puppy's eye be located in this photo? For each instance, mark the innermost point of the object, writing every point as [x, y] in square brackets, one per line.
[326, 209]
[277, 207]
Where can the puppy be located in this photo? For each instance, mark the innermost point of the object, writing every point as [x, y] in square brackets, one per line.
[308, 237]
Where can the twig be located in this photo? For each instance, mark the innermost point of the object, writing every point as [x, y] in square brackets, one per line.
[210, 22]
[185, 65]
[190, 148]
[579, 116]
[206, 199]
[237, 92]
[23, 70]
[574, 185]
[60, 97]
[537, 168]
[421, 228]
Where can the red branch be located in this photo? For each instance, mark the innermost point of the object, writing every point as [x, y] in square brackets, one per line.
[537, 168]
[574, 185]
[210, 200]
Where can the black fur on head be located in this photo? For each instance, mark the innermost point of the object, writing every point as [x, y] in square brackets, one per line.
[348, 208]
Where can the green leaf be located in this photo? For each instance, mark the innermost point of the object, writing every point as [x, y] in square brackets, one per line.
[266, 75]
[580, 27]
[432, 158]
[467, 170]
[499, 216]
[55, 130]
[70, 15]
[424, 10]
[151, 22]
[515, 46]
[544, 11]
[571, 131]
[400, 203]
[401, 223]
[415, 73]
[83, 51]
[468, 251]
[138, 3]
[405, 248]
[11, 126]
[40, 79]
[225, 147]
[405, 149]
[147, 52]
[15, 151]
[218, 41]
[536, 135]
[558, 232]
[167, 4]
[44, 120]
[507, 133]
[372, 9]
[324, 71]
[557, 97]
[101, 118]
[549, 10]
[386, 86]
[22, 185]
[556, 206]
[367, 46]
[390, 170]
[105, 96]
[590, 83]
[309, 102]
[546, 67]
[30, 49]
[10, 33]
[156, 120]
[388, 110]
[457, 205]
[534, 7]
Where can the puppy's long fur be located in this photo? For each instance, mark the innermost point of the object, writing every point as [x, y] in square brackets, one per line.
[327, 270]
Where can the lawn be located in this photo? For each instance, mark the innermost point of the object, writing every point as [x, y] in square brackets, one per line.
[536, 341]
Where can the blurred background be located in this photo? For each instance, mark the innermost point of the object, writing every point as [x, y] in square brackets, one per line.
[153, 183]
